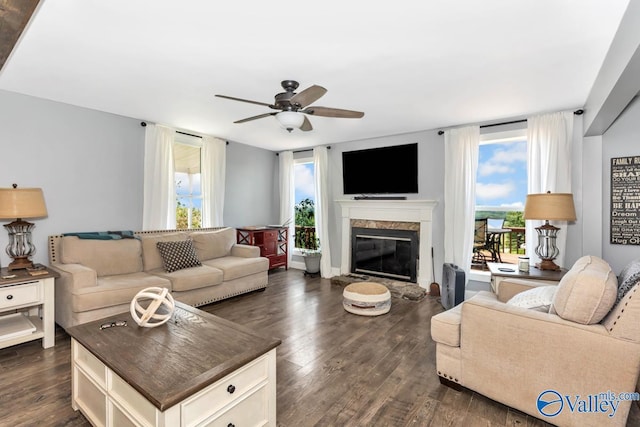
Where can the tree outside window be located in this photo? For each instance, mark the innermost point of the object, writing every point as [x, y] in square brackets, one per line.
[305, 196]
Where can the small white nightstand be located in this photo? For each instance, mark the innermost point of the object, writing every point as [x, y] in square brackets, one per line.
[33, 296]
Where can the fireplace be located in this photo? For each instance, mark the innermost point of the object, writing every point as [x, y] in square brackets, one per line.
[384, 252]
[412, 215]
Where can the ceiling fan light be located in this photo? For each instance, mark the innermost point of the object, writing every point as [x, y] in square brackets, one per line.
[290, 119]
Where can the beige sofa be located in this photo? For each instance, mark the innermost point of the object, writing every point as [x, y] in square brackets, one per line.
[98, 278]
[584, 345]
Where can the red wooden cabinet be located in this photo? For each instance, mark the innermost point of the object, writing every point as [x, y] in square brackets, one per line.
[272, 241]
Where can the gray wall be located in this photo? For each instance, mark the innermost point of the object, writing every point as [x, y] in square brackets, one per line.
[90, 166]
[430, 185]
[621, 139]
[251, 183]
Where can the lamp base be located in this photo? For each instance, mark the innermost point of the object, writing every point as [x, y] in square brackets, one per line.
[547, 264]
[20, 263]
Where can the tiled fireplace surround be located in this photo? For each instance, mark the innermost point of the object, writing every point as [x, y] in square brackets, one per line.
[390, 214]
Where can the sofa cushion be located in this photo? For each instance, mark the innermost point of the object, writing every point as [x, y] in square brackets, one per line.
[213, 244]
[191, 278]
[539, 298]
[629, 276]
[151, 258]
[235, 267]
[106, 257]
[114, 290]
[587, 292]
[178, 255]
[445, 327]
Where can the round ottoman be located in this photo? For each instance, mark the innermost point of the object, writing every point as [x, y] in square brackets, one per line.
[366, 299]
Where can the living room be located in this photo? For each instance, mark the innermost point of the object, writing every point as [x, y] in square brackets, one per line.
[89, 160]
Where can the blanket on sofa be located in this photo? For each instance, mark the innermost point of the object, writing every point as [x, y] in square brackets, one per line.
[104, 235]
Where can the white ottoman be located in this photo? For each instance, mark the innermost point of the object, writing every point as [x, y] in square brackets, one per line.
[366, 299]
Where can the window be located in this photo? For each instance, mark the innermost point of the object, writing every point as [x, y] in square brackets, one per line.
[501, 190]
[305, 198]
[186, 152]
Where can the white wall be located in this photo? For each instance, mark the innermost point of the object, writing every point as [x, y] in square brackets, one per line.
[621, 139]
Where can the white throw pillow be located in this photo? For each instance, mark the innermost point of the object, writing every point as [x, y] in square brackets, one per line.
[539, 298]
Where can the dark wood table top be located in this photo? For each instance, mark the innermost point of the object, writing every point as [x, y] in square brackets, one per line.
[24, 275]
[534, 273]
[171, 362]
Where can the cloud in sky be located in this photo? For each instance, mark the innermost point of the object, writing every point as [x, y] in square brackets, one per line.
[494, 191]
[505, 159]
[304, 182]
[516, 205]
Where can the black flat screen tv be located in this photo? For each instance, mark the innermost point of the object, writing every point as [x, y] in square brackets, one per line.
[384, 170]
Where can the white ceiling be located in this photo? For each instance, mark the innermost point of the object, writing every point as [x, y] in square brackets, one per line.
[409, 65]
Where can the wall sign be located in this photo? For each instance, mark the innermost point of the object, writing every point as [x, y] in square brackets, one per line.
[625, 200]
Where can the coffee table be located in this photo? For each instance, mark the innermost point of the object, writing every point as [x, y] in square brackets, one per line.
[197, 369]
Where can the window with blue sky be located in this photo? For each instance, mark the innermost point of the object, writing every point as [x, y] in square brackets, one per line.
[502, 175]
[304, 180]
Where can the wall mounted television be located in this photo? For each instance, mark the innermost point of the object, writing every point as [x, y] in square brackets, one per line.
[384, 170]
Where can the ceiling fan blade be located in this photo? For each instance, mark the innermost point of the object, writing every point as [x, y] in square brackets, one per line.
[246, 100]
[259, 116]
[334, 112]
[306, 125]
[308, 96]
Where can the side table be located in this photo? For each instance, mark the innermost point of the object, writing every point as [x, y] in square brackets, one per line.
[500, 271]
[31, 297]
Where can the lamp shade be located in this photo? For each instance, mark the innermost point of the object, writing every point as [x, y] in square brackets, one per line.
[290, 119]
[550, 206]
[22, 203]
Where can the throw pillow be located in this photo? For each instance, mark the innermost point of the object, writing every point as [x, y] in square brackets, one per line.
[628, 278]
[538, 298]
[178, 255]
[587, 292]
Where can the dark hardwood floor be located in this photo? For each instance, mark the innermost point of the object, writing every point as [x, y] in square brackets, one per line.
[334, 368]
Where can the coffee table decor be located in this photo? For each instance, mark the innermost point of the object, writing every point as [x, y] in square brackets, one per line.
[159, 309]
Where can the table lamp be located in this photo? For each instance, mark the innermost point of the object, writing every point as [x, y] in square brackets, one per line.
[16, 204]
[549, 207]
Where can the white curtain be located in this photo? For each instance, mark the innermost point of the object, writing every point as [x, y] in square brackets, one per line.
[321, 166]
[549, 139]
[159, 204]
[287, 196]
[461, 163]
[213, 163]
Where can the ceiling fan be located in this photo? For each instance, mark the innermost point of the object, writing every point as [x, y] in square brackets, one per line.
[293, 107]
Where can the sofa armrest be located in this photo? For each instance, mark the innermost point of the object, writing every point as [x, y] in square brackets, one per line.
[510, 287]
[245, 251]
[75, 276]
[503, 346]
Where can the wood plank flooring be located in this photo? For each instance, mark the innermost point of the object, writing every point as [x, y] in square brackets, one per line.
[334, 368]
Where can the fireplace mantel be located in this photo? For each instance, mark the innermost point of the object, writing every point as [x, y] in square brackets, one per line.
[420, 211]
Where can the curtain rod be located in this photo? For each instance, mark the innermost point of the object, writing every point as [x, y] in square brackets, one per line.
[144, 124]
[308, 149]
[577, 113]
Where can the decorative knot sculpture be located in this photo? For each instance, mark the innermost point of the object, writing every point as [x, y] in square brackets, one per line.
[148, 316]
